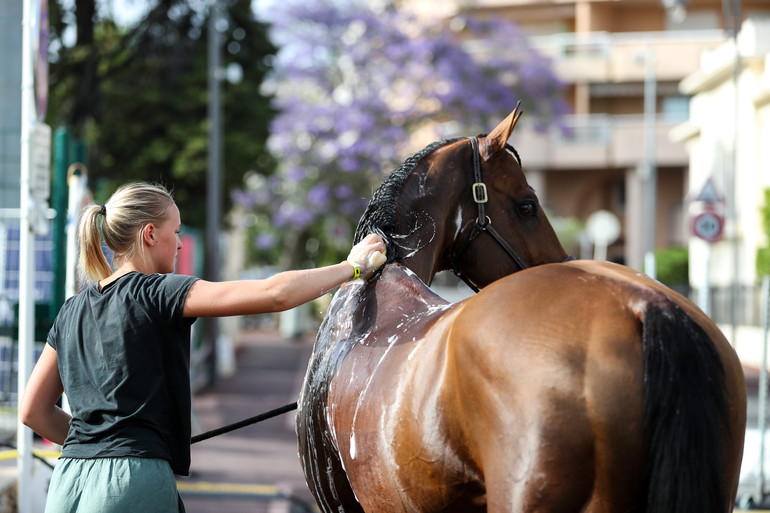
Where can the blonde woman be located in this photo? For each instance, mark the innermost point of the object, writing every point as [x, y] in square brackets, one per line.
[120, 350]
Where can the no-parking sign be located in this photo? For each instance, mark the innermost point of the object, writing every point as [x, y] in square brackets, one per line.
[708, 226]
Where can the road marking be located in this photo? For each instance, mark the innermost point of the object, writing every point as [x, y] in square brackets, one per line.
[12, 454]
[207, 488]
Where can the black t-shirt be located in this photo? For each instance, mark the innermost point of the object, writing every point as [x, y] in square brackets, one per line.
[124, 359]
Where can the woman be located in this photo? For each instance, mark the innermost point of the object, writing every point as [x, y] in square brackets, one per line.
[120, 350]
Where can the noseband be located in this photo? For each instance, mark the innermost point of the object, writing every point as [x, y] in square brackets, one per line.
[483, 223]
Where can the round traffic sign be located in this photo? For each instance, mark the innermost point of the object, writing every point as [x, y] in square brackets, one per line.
[708, 226]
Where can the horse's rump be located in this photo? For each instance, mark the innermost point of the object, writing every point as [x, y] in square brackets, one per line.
[610, 375]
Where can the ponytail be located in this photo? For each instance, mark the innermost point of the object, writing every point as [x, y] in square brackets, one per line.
[92, 262]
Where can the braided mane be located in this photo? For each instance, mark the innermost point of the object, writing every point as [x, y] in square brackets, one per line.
[380, 215]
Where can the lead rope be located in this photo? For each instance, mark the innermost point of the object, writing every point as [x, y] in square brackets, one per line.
[246, 422]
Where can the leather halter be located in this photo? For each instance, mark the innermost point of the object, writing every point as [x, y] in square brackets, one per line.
[483, 222]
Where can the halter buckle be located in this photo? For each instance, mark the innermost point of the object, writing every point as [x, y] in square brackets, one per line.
[479, 192]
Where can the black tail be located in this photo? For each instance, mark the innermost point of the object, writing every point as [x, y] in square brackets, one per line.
[686, 414]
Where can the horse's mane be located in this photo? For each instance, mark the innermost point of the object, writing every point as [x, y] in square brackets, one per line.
[380, 215]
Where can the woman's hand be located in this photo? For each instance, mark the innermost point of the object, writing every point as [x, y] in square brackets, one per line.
[368, 255]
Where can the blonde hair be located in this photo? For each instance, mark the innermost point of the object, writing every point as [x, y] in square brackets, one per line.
[132, 207]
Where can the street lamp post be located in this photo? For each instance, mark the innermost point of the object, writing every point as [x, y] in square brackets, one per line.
[649, 165]
[214, 175]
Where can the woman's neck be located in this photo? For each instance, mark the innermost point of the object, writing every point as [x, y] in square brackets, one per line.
[122, 270]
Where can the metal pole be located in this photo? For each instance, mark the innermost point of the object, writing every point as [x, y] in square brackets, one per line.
[651, 172]
[26, 260]
[61, 157]
[704, 294]
[214, 176]
[762, 410]
[733, 15]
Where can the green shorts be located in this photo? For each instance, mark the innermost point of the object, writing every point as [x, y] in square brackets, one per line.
[114, 485]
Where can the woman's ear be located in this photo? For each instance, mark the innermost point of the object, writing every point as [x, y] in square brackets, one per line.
[148, 234]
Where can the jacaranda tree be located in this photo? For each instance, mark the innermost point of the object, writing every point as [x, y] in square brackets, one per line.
[360, 85]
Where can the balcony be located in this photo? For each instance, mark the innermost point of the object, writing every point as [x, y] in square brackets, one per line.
[603, 57]
[598, 142]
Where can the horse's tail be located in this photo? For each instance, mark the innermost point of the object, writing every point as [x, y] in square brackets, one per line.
[686, 414]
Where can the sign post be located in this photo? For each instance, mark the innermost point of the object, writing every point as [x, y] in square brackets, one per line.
[26, 259]
[602, 228]
[708, 225]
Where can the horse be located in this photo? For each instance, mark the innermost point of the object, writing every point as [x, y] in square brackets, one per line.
[561, 386]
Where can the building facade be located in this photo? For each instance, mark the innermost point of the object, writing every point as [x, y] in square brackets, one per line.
[727, 138]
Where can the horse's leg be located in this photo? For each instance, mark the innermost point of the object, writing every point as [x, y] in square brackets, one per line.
[550, 472]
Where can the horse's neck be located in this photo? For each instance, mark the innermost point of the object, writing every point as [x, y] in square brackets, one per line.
[399, 288]
[427, 228]
[362, 310]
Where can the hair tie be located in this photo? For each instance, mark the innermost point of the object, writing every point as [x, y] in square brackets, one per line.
[103, 210]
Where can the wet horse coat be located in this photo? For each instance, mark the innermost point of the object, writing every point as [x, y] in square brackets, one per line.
[579, 386]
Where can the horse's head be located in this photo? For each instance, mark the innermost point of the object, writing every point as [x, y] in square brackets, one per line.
[463, 204]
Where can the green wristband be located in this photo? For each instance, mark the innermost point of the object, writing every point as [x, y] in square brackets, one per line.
[356, 269]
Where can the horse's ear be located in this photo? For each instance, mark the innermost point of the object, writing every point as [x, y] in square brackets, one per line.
[498, 138]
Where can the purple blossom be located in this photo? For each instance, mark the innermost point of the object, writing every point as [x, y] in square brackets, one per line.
[265, 241]
[343, 192]
[318, 196]
[243, 199]
[294, 216]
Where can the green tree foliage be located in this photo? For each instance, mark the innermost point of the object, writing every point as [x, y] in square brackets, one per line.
[138, 96]
[763, 253]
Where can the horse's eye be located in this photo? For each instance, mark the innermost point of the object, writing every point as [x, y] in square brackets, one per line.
[527, 208]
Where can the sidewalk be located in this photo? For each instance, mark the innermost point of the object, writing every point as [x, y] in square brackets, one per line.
[255, 468]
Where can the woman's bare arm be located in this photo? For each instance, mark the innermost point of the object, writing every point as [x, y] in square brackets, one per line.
[38, 408]
[281, 291]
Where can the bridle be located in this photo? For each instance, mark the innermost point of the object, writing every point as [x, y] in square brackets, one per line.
[483, 223]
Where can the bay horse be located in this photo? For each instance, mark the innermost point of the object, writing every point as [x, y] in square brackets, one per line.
[562, 386]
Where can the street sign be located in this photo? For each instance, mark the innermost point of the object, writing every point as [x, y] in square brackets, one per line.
[602, 229]
[40, 162]
[709, 194]
[708, 226]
